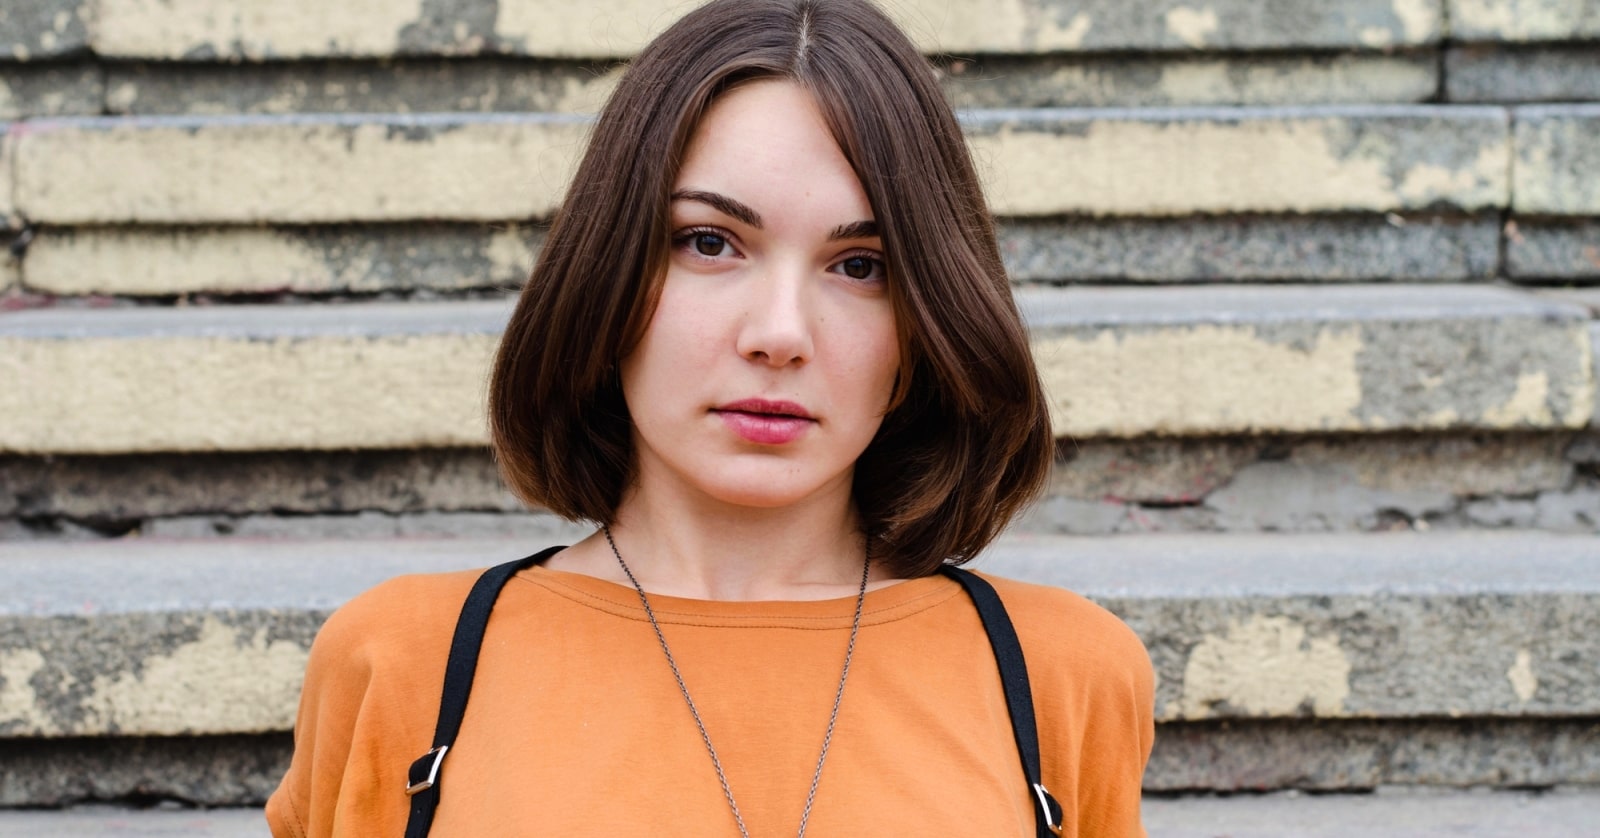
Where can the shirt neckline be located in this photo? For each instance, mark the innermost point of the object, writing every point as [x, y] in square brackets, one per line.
[887, 604]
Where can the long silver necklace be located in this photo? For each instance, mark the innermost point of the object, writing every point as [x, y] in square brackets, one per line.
[727, 791]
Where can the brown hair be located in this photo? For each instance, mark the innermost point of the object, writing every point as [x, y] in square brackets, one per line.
[966, 441]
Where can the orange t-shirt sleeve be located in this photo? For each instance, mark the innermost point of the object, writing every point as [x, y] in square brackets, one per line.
[367, 709]
[1117, 742]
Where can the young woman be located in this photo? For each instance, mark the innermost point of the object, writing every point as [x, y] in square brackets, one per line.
[770, 350]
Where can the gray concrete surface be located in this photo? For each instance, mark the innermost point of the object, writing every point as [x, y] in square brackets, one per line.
[1411, 813]
[1546, 73]
[120, 638]
[1347, 755]
[1563, 813]
[994, 81]
[1098, 487]
[1557, 151]
[43, 29]
[468, 258]
[30, 91]
[1548, 250]
[198, 771]
[1523, 21]
[357, 259]
[1422, 355]
[1264, 248]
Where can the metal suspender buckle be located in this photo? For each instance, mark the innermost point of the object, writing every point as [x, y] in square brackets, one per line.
[413, 784]
[1049, 806]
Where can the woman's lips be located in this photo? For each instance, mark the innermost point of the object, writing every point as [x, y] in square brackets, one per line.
[765, 422]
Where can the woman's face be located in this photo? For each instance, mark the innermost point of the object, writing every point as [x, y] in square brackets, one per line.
[768, 363]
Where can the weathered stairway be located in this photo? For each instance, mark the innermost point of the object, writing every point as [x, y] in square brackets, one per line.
[1314, 287]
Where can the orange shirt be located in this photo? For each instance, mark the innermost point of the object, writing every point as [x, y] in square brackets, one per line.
[576, 727]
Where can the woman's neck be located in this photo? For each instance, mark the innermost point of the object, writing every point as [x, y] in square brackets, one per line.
[688, 545]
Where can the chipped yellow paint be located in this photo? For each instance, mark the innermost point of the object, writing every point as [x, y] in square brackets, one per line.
[171, 29]
[10, 108]
[594, 28]
[510, 255]
[1350, 78]
[7, 184]
[1267, 667]
[1490, 171]
[1548, 186]
[19, 704]
[1585, 393]
[1524, 20]
[1523, 681]
[1376, 37]
[205, 394]
[619, 28]
[229, 261]
[1191, 26]
[294, 172]
[222, 682]
[1419, 19]
[1528, 405]
[1134, 167]
[1205, 379]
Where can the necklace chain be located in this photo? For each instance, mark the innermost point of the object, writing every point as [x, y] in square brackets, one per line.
[705, 737]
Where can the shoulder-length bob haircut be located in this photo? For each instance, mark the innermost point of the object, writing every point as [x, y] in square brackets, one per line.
[966, 441]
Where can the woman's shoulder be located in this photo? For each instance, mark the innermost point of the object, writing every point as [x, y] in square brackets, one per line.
[394, 618]
[1067, 632]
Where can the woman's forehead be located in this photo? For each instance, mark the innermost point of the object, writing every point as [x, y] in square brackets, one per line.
[767, 146]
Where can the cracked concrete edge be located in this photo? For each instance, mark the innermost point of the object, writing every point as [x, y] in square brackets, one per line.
[1116, 362]
[206, 30]
[194, 638]
[1520, 21]
[498, 84]
[1151, 162]
[1095, 485]
[1431, 765]
[339, 259]
[1556, 170]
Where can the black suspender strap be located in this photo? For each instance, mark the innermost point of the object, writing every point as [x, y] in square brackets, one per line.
[1019, 696]
[424, 776]
[422, 781]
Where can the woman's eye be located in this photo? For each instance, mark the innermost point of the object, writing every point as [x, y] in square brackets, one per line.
[709, 244]
[862, 267]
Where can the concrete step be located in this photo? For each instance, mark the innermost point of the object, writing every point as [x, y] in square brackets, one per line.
[399, 259]
[420, 85]
[617, 28]
[1036, 162]
[1557, 166]
[1523, 21]
[1283, 661]
[1368, 482]
[1564, 813]
[1538, 73]
[1117, 362]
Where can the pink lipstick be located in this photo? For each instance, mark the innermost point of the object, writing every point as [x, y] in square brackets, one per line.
[765, 422]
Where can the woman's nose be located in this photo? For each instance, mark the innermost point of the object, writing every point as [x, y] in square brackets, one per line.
[777, 328]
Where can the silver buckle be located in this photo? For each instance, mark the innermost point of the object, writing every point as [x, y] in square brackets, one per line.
[433, 772]
[1044, 806]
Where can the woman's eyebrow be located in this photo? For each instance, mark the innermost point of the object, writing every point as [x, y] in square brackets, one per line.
[722, 203]
[855, 230]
